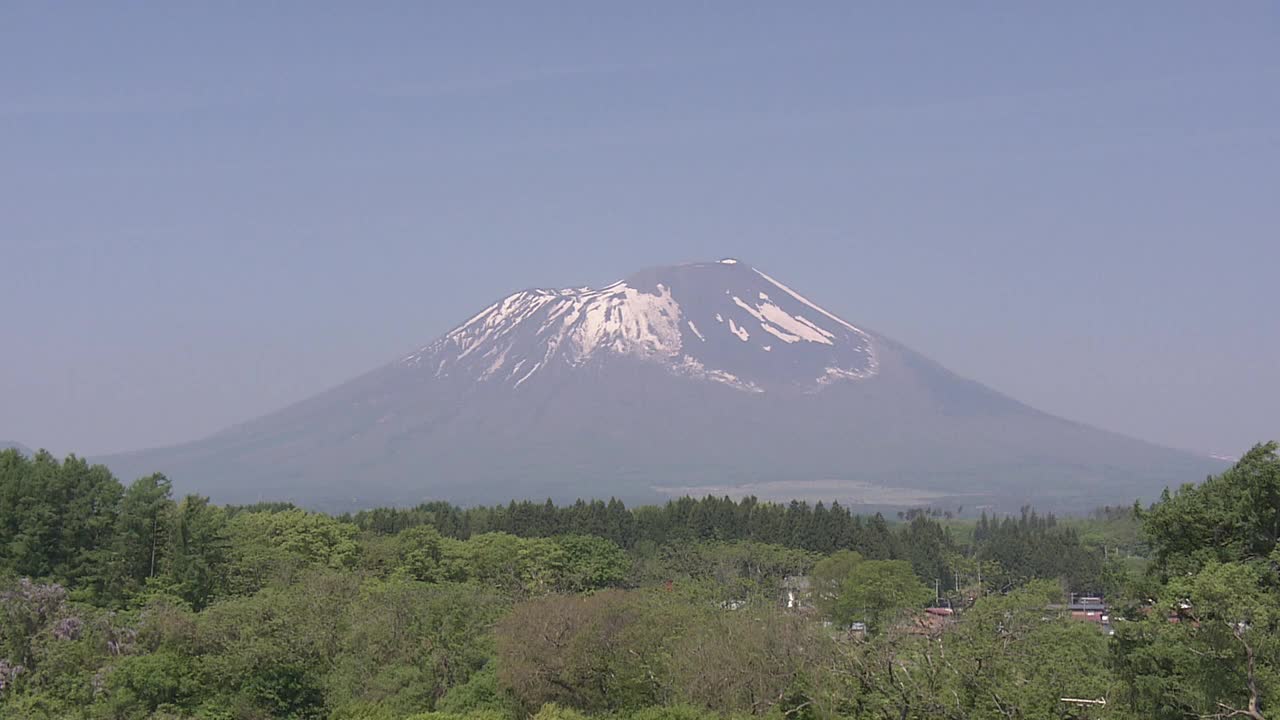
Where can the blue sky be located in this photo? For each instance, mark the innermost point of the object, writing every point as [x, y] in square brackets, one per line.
[210, 211]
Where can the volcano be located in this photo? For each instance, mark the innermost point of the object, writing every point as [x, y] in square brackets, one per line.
[700, 378]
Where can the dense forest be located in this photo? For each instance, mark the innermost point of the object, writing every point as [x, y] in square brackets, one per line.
[127, 602]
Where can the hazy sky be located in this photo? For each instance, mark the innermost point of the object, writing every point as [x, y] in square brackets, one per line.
[209, 212]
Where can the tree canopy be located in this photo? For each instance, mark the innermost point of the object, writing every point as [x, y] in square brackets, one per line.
[128, 603]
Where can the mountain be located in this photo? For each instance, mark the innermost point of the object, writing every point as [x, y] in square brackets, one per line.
[11, 445]
[705, 377]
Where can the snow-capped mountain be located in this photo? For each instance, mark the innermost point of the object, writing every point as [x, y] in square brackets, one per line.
[723, 321]
[705, 377]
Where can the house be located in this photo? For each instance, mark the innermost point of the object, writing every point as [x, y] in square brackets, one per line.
[1092, 609]
[929, 623]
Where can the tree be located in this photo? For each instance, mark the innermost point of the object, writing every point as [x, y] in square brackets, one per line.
[878, 592]
[1209, 646]
[407, 644]
[591, 563]
[1208, 642]
[829, 575]
[1233, 516]
[751, 661]
[494, 559]
[927, 546]
[142, 530]
[596, 653]
[270, 654]
[26, 610]
[273, 546]
[57, 520]
[196, 563]
[419, 552]
[730, 571]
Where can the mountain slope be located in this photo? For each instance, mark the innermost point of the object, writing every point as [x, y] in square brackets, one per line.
[708, 377]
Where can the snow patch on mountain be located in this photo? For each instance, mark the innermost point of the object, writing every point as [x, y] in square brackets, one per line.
[626, 321]
[834, 374]
[524, 377]
[786, 327]
[804, 300]
[692, 367]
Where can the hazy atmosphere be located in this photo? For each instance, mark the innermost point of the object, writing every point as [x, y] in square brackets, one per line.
[205, 216]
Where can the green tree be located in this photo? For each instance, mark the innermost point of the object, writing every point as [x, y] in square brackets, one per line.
[828, 577]
[1209, 646]
[591, 563]
[596, 653]
[57, 520]
[879, 592]
[1230, 517]
[268, 547]
[142, 531]
[419, 553]
[197, 559]
[493, 559]
[1207, 643]
[407, 644]
[270, 655]
[480, 693]
[728, 571]
[751, 661]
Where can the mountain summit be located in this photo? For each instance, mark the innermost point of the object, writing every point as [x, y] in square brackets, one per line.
[723, 321]
[701, 378]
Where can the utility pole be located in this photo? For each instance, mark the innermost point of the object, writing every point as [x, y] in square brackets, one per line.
[155, 525]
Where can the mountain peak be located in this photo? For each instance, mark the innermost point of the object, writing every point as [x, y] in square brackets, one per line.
[722, 321]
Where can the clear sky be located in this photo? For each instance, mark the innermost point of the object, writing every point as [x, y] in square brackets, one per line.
[208, 211]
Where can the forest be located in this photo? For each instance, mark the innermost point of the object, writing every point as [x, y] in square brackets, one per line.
[125, 601]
